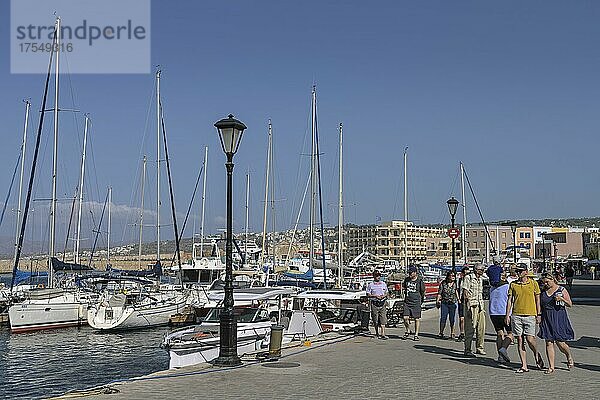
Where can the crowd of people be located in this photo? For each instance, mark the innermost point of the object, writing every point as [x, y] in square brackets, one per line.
[520, 309]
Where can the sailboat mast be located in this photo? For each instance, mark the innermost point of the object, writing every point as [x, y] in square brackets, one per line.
[142, 212]
[464, 207]
[23, 145]
[109, 223]
[247, 215]
[203, 201]
[266, 202]
[405, 207]
[341, 217]
[313, 180]
[158, 141]
[54, 159]
[85, 132]
[273, 221]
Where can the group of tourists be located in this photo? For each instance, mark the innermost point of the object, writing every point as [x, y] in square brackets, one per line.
[518, 309]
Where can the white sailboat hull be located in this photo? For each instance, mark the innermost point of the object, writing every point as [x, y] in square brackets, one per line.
[53, 312]
[127, 317]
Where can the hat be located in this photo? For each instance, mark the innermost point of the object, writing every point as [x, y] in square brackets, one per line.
[412, 268]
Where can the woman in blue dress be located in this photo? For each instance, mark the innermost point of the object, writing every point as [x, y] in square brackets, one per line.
[555, 326]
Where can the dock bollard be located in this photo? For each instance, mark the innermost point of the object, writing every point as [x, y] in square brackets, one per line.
[275, 342]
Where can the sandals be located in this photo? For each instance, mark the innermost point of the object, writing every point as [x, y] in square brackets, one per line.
[416, 338]
[539, 361]
[570, 363]
[407, 335]
[549, 371]
[521, 371]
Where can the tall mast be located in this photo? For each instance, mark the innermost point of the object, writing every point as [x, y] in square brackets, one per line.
[341, 217]
[272, 206]
[23, 145]
[142, 211]
[464, 207]
[203, 201]
[247, 215]
[405, 208]
[85, 132]
[266, 203]
[54, 160]
[158, 141]
[313, 180]
[109, 223]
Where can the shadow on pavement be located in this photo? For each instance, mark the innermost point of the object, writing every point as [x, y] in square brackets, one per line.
[457, 355]
[589, 367]
[585, 342]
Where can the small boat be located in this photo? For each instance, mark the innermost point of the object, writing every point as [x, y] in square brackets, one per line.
[337, 310]
[256, 310]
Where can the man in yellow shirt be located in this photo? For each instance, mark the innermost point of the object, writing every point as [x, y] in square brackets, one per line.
[523, 312]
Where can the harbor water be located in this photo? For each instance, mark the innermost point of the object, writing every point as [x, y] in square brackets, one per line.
[46, 363]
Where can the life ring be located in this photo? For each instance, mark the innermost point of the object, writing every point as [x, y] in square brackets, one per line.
[204, 261]
[40, 286]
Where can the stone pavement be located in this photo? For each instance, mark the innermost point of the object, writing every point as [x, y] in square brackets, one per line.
[363, 367]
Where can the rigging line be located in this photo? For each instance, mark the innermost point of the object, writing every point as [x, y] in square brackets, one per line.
[164, 134]
[12, 181]
[33, 166]
[479, 210]
[187, 214]
[98, 230]
[443, 213]
[320, 200]
[397, 197]
[300, 165]
[70, 222]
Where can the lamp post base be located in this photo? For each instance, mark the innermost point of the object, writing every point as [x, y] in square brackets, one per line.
[232, 361]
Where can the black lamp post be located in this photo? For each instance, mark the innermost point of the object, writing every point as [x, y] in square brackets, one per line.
[230, 132]
[513, 229]
[452, 206]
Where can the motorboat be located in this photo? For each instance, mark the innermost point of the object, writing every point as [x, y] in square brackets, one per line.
[337, 310]
[256, 310]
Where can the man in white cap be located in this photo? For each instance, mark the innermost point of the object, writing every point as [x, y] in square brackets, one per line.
[474, 310]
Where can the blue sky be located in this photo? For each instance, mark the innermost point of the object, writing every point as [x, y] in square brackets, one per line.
[509, 88]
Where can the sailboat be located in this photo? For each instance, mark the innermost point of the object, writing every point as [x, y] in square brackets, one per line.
[149, 305]
[50, 307]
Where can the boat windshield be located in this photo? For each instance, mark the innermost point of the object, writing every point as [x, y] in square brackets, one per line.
[242, 314]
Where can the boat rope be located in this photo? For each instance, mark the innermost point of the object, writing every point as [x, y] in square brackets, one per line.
[174, 214]
[108, 387]
[12, 181]
[98, 230]
[189, 210]
[33, 167]
[320, 201]
[487, 233]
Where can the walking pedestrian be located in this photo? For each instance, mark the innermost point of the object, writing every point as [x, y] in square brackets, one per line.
[523, 313]
[569, 274]
[494, 272]
[497, 309]
[461, 310]
[555, 327]
[378, 292]
[414, 296]
[446, 300]
[474, 311]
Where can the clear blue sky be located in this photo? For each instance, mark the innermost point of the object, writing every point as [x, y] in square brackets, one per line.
[510, 88]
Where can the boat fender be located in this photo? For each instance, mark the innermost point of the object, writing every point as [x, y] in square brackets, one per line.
[40, 286]
[204, 261]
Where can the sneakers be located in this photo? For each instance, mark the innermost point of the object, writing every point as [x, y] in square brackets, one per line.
[502, 353]
[481, 352]
[460, 338]
[500, 360]
[416, 338]
[406, 335]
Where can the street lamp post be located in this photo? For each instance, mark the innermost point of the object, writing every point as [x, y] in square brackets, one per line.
[230, 132]
[513, 229]
[452, 206]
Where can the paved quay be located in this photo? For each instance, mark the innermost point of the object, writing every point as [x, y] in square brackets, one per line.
[363, 367]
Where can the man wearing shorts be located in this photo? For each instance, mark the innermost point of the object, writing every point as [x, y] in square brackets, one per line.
[414, 295]
[523, 312]
[498, 299]
[378, 292]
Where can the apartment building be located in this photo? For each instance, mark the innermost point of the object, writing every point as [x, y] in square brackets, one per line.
[387, 240]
